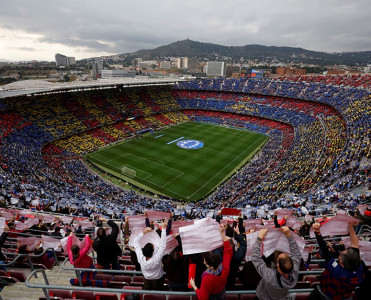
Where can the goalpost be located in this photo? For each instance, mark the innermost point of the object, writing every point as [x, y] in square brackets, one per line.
[128, 172]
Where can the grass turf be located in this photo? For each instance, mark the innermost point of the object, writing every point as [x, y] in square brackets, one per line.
[184, 174]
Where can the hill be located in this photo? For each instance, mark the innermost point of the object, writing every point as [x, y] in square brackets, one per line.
[258, 53]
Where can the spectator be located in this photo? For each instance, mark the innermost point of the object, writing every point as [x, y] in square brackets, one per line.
[275, 283]
[47, 259]
[239, 253]
[107, 248]
[281, 223]
[176, 268]
[150, 259]
[79, 257]
[56, 233]
[365, 218]
[3, 238]
[339, 278]
[215, 277]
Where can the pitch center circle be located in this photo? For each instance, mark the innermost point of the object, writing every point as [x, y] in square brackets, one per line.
[190, 144]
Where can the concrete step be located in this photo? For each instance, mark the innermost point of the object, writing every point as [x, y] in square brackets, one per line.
[20, 291]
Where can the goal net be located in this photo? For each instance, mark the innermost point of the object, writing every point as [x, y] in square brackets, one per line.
[128, 172]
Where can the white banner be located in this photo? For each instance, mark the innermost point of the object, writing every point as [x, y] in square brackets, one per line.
[202, 236]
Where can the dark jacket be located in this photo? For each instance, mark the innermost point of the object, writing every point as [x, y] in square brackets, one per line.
[237, 258]
[3, 238]
[107, 248]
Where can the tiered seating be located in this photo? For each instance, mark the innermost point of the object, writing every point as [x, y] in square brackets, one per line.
[324, 116]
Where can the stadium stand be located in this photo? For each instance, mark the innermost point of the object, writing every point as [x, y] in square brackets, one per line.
[317, 160]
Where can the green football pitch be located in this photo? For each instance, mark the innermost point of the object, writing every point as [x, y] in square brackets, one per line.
[157, 162]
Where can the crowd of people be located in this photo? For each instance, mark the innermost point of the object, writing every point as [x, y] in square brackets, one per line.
[319, 146]
[238, 254]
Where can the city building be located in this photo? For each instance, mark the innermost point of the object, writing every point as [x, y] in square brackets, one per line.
[335, 72]
[216, 68]
[188, 63]
[117, 73]
[232, 69]
[165, 65]
[147, 64]
[282, 71]
[97, 69]
[62, 60]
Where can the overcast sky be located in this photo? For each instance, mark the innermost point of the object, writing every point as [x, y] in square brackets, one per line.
[37, 29]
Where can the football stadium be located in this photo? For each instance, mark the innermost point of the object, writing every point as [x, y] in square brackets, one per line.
[245, 152]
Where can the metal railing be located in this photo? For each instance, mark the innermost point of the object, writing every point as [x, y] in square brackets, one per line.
[106, 271]
[29, 256]
[46, 286]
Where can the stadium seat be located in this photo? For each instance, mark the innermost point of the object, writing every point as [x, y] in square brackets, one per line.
[105, 296]
[118, 281]
[313, 279]
[137, 281]
[178, 297]
[101, 276]
[17, 274]
[86, 295]
[302, 296]
[231, 297]
[302, 285]
[154, 297]
[60, 293]
[248, 297]
[129, 267]
[313, 266]
[123, 295]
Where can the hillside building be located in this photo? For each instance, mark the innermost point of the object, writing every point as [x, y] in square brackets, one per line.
[282, 71]
[62, 60]
[216, 68]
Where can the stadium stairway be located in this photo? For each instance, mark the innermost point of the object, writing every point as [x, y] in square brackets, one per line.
[19, 291]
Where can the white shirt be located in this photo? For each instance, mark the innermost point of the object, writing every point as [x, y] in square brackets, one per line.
[151, 268]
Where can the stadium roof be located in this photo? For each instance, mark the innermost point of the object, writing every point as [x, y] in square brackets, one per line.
[32, 87]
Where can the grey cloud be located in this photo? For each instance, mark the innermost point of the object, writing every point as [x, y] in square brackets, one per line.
[27, 49]
[117, 26]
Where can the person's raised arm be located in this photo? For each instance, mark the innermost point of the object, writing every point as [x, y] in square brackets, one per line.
[87, 245]
[354, 242]
[240, 254]
[136, 242]
[321, 242]
[163, 227]
[294, 248]
[169, 224]
[219, 216]
[115, 230]
[256, 259]
[241, 228]
[69, 245]
[276, 220]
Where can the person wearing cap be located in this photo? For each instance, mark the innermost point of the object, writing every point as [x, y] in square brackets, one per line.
[275, 283]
